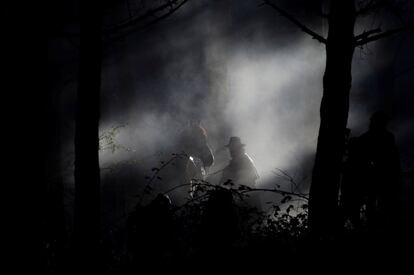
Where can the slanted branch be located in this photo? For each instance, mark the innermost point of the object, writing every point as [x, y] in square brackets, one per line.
[153, 15]
[367, 37]
[295, 21]
[366, 34]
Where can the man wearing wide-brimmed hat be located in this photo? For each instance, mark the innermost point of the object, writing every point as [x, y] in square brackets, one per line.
[241, 169]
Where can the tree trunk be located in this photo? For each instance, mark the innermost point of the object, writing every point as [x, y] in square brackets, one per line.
[87, 174]
[334, 115]
[53, 210]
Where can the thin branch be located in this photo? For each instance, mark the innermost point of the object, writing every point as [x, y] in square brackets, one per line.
[157, 171]
[133, 20]
[365, 34]
[384, 34]
[190, 184]
[150, 13]
[285, 176]
[292, 19]
[277, 191]
[172, 10]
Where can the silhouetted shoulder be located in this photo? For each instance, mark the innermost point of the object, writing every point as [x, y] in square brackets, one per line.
[249, 164]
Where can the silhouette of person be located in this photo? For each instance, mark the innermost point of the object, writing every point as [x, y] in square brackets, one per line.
[219, 222]
[151, 239]
[241, 169]
[380, 162]
[352, 184]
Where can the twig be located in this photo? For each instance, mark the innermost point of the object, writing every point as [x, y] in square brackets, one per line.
[189, 184]
[148, 14]
[157, 171]
[365, 34]
[285, 175]
[384, 34]
[284, 193]
[292, 19]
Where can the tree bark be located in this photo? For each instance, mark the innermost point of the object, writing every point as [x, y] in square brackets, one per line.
[53, 210]
[334, 109]
[87, 173]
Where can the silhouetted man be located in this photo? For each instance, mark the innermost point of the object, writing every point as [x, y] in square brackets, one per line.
[380, 160]
[352, 184]
[151, 229]
[241, 170]
[219, 227]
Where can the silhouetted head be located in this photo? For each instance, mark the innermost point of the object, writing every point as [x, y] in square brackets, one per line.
[236, 147]
[195, 143]
[379, 121]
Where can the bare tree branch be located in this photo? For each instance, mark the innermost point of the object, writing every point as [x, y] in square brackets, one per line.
[141, 22]
[278, 191]
[384, 34]
[296, 22]
[170, 12]
[165, 10]
[172, 5]
[365, 34]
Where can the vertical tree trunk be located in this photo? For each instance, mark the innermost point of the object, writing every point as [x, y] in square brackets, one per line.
[53, 211]
[334, 115]
[87, 174]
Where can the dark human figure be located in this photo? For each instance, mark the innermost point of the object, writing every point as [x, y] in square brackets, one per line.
[151, 234]
[219, 227]
[241, 170]
[380, 161]
[352, 184]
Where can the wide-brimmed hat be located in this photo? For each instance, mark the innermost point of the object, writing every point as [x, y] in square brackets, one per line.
[235, 142]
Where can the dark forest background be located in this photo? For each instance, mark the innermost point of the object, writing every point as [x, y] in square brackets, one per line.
[124, 77]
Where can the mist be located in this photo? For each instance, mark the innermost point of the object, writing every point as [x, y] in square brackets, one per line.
[242, 72]
[239, 69]
[237, 80]
[242, 84]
